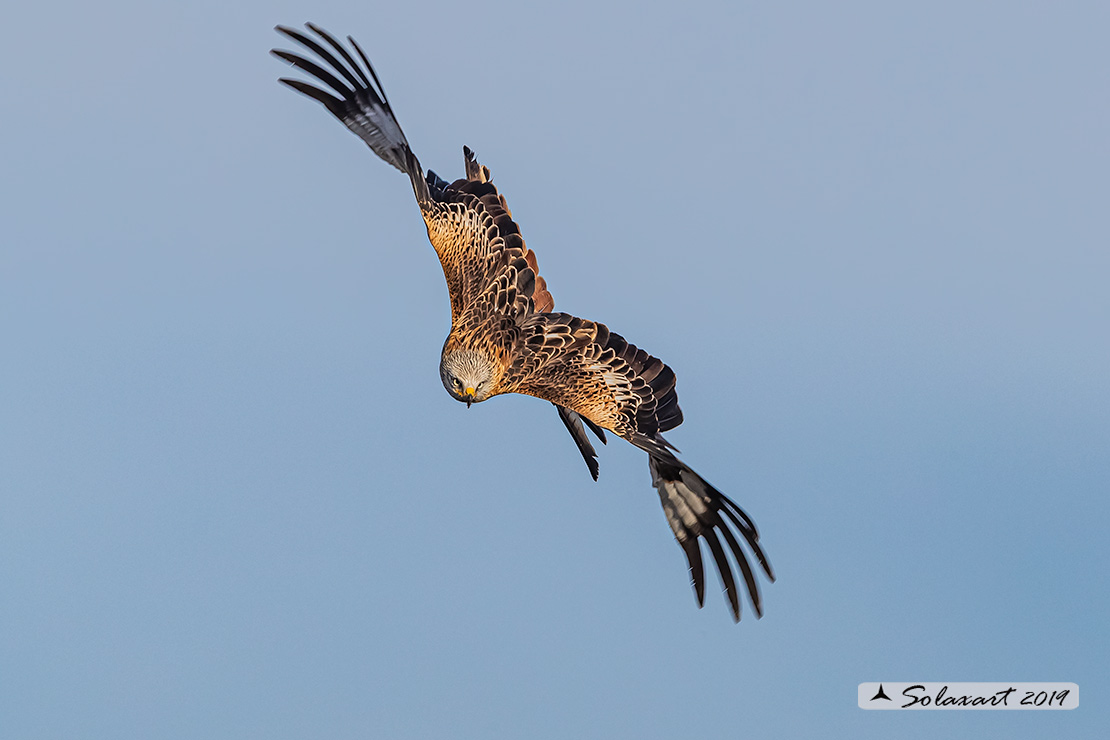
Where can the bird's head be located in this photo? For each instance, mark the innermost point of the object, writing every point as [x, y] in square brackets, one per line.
[467, 375]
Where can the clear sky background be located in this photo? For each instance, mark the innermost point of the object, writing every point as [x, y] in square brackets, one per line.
[235, 501]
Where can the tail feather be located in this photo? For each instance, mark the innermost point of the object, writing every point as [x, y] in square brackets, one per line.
[696, 510]
[576, 424]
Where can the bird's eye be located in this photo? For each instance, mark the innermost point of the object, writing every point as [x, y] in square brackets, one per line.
[457, 383]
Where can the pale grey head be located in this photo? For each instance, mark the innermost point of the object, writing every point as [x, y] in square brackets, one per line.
[467, 375]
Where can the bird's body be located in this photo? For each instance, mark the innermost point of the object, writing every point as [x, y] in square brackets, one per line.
[505, 335]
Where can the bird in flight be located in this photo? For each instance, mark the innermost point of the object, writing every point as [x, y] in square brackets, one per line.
[506, 336]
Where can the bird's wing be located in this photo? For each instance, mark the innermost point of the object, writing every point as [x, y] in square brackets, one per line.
[590, 371]
[469, 224]
[698, 511]
[594, 377]
[473, 232]
[582, 366]
[361, 103]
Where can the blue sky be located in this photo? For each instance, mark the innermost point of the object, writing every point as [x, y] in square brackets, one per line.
[236, 502]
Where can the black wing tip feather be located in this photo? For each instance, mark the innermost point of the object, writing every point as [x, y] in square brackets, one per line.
[658, 409]
[332, 103]
[716, 513]
[316, 48]
[358, 99]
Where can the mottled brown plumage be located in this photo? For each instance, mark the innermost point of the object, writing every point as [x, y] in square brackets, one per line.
[505, 336]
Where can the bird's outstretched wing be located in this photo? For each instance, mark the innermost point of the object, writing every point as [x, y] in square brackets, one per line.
[476, 238]
[698, 511]
[581, 366]
[469, 223]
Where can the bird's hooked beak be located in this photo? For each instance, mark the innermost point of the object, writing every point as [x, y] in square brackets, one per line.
[469, 393]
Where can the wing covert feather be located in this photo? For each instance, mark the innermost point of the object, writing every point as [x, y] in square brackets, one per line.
[582, 366]
[474, 234]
